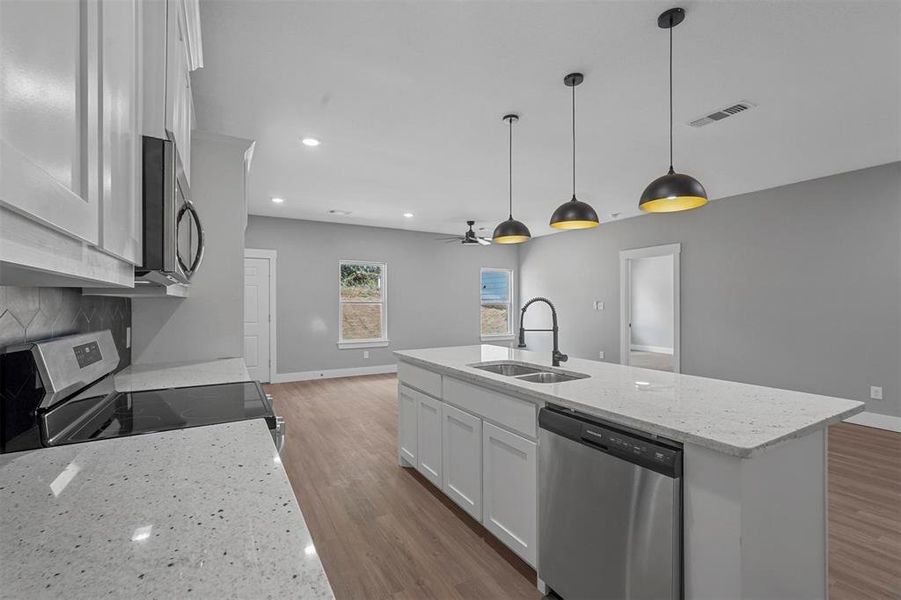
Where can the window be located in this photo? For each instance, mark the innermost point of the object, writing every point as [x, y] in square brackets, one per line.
[362, 304]
[497, 302]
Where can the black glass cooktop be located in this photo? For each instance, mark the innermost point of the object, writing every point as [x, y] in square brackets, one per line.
[122, 414]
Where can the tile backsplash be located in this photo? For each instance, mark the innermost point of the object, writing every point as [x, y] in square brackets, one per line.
[29, 314]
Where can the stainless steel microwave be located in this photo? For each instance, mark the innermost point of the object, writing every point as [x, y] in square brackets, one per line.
[173, 235]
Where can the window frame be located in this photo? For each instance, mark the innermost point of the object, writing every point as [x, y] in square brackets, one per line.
[511, 333]
[379, 342]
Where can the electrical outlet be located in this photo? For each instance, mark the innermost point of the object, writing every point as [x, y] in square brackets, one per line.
[128, 337]
[601, 355]
[365, 353]
[875, 392]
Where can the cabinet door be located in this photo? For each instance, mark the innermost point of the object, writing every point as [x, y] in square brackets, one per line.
[121, 140]
[406, 426]
[428, 445]
[510, 490]
[49, 147]
[462, 459]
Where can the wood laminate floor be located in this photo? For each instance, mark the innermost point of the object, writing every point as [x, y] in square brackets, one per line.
[384, 532]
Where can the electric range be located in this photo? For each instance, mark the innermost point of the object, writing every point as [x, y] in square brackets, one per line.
[62, 391]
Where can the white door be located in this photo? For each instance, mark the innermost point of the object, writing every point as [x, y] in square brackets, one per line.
[256, 317]
[429, 438]
[462, 459]
[510, 490]
[406, 425]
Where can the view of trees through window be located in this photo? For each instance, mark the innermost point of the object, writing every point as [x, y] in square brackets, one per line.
[362, 300]
[496, 299]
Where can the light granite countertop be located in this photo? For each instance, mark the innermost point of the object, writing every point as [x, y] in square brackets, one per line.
[135, 378]
[732, 418]
[205, 512]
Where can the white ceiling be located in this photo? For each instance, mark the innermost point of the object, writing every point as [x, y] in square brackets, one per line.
[407, 98]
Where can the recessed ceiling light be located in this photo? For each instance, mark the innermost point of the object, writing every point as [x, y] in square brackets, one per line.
[408, 215]
[278, 200]
[310, 142]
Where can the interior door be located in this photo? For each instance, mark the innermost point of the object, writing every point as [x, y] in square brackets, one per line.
[256, 317]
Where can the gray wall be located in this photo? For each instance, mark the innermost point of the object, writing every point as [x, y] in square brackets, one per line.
[796, 287]
[29, 314]
[652, 301]
[433, 288]
[210, 323]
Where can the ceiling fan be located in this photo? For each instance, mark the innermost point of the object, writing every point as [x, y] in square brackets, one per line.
[469, 238]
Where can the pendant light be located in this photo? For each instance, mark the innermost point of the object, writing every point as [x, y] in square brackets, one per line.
[674, 191]
[574, 214]
[511, 231]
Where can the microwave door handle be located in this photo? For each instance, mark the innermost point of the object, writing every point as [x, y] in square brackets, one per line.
[188, 207]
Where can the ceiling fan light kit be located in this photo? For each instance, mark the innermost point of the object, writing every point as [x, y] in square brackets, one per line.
[574, 214]
[511, 231]
[672, 192]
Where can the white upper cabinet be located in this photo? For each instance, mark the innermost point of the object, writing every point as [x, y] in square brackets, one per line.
[49, 119]
[172, 49]
[121, 134]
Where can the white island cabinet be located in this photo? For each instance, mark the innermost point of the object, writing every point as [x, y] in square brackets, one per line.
[754, 462]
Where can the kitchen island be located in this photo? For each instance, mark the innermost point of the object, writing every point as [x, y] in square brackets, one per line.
[754, 479]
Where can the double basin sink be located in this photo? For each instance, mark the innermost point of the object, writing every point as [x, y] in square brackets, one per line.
[532, 374]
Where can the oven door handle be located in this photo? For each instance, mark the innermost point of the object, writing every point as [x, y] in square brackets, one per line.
[188, 207]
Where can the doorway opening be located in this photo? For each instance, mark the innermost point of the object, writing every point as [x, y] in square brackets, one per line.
[649, 307]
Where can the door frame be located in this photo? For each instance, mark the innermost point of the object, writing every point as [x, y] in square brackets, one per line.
[625, 298]
[272, 257]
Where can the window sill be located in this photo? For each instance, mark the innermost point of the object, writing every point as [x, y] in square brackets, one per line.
[363, 344]
[498, 338]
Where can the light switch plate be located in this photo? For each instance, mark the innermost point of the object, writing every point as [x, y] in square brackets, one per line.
[365, 353]
[875, 392]
[601, 355]
[598, 305]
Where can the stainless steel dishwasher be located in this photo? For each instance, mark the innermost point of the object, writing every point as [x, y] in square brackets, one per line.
[609, 510]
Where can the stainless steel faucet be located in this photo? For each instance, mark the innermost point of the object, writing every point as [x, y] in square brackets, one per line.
[556, 357]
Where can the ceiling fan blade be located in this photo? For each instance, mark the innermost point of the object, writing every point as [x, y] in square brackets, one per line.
[483, 241]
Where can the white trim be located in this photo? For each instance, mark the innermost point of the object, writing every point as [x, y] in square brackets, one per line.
[657, 349]
[272, 257]
[363, 344]
[497, 338]
[877, 420]
[334, 373]
[625, 301]
[382, 342]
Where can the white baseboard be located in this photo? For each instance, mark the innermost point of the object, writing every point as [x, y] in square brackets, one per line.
[657, 349]
[333, 373]
[879, 421]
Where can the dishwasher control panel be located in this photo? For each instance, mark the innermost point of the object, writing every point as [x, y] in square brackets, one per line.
[662, 457]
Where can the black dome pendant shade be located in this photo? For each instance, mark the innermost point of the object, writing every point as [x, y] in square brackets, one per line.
[511, 231]
[574, 214]
[674, 191]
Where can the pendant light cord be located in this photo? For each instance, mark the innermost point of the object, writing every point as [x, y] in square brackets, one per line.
[510, 154]
[574, 142]
[671, 96]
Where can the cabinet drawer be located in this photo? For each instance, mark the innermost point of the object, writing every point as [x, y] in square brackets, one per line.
[507, 411]
[419, 378]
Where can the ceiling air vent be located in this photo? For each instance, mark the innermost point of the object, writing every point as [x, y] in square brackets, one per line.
[722, 113]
